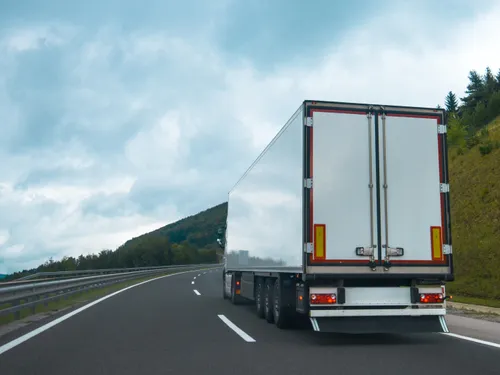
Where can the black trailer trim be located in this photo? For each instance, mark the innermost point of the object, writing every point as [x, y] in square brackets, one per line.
[423, 276]
[351, 105]
[447, 204]
[305, 192]
[411, 112]
[381, 324]
[361, 111]
[402, 264]
[266, 272]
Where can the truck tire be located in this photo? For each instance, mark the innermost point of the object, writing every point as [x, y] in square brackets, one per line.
[224, 295]
[281, 312]
[259, 298]
[268, 300]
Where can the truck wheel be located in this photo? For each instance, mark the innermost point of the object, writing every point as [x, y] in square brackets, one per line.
[234, 297]
[268, 301]
[259, 299]
[280, 310]
[224, 295]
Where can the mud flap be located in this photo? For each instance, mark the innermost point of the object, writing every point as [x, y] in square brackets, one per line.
[381, 324]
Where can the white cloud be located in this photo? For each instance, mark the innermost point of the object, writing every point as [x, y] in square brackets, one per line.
[157, 126]
[162, 145]
[13, 251]
[4, 236]
[32, 38]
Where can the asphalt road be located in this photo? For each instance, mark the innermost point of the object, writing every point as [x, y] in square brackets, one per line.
[166, 327]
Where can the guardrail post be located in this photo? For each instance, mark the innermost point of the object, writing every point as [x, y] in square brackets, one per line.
[33, 308]
[17, 314]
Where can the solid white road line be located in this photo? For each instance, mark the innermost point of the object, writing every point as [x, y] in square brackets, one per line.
[477, 341]
[61, 319]
[236, 329]
[196, 292]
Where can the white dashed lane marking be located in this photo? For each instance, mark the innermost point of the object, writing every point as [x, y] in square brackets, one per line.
[236, 329]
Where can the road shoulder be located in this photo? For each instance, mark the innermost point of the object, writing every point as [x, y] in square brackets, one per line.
[471, 326]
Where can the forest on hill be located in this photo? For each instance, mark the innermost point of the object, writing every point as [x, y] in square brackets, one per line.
[474, 156]
[468, 121]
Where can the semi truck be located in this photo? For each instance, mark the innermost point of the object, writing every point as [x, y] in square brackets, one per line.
[344, 219]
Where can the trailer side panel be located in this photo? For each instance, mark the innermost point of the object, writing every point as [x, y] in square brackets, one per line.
[264, 222]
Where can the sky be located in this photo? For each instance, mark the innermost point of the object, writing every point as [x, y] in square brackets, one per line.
[118, 117]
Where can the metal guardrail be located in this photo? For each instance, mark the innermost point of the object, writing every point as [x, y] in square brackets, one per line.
[30, 295]
[43, 276]
[90, 272]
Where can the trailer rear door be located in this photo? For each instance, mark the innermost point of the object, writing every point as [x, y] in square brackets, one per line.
[412, 209]
[376, 194]
[340, 201]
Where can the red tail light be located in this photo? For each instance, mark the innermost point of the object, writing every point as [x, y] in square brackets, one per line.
[323, 299]
[432, 298]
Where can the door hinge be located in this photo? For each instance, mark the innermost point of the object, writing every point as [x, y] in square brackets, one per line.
[442, 129]
[308, 183]
[308, 121]
[444, 188]
[447, 249]
[308, 247]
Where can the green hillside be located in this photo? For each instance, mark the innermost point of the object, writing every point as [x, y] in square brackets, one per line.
[189, 240]
[474, 156]
[475, 194]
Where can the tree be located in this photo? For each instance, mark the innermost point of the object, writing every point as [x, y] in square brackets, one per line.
[451, 103]
[490, 84]
[494, 105]
[474, 91]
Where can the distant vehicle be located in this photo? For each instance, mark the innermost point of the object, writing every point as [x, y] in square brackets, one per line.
[345, 218]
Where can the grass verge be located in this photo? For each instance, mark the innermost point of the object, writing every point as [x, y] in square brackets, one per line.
[476, 301]
[78, 298]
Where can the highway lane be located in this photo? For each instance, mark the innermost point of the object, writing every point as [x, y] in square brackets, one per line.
[154, 328]
[165, 327]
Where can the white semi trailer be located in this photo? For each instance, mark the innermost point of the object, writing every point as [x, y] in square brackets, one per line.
[345, 218]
